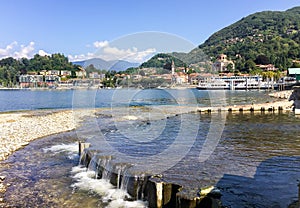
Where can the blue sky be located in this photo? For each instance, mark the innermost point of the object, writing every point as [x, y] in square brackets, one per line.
[82, 29]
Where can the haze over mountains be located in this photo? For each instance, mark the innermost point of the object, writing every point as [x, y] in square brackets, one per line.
[116, 65]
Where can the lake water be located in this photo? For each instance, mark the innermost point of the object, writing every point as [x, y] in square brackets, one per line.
[255, 160]
[11, 100]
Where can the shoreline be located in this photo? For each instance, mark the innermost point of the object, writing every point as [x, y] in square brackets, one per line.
[176, 87]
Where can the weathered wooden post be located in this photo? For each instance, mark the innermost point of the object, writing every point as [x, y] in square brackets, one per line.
[82, 146]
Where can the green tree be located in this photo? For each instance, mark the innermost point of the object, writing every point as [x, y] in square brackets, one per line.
[250, 65]
[262, 59]
[229, 67]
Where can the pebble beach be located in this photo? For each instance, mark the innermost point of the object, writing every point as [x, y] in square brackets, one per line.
[19, 128]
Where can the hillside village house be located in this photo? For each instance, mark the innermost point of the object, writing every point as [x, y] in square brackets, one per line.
[221, 63]
[81, 73]
[267, 67]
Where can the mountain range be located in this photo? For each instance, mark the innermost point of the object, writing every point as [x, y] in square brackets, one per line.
[116, 65]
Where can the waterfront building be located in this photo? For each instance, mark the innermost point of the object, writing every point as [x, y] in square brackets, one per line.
[27, 80]
[294, 72]
[52, 80]
[194, 78]
[222, 63]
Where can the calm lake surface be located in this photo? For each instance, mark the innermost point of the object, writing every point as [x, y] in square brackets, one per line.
[11, 100]
[255, 162]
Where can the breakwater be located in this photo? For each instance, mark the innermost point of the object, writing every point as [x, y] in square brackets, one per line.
[145, 186]
[278, 106]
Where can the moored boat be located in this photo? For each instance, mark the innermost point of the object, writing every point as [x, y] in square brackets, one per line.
[235, 83]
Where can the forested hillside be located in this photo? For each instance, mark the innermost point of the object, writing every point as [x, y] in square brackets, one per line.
[273, 34]
[11, 68]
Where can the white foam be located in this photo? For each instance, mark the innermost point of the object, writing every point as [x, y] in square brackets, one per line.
[121, 203]
[70, 149]
[128, 117]
[85, 180]
[62, 148]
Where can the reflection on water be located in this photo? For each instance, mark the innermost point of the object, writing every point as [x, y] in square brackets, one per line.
[255, 164]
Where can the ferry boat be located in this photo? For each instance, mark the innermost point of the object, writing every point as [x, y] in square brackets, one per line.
[235, 83]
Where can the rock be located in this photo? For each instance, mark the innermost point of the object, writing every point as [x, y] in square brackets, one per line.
[2, 178]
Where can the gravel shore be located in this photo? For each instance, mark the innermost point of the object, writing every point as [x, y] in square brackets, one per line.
[17, 129]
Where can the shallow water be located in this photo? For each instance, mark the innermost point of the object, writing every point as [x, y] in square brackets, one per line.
[256, 158]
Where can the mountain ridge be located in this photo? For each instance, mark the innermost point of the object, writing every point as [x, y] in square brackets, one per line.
[273, 34]
[98, 63]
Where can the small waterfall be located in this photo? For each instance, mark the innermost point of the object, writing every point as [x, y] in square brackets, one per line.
[117, 185]
[93, 163]
[119, 177]
[125, 180]
[104, 167]
[122, 177]
[140, 186]
[84, 158]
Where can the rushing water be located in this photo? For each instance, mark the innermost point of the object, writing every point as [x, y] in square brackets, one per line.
[255, 163]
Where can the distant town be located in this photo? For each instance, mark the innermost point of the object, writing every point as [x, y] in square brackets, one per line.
[172, 76]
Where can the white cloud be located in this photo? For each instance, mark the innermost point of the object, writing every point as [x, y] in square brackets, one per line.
[25, 52]
[100, 44]
[82, 57]
[6, 52]
[108, 53]
[17, 51]
[103, 50]
[43, 53]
